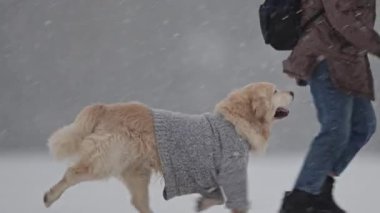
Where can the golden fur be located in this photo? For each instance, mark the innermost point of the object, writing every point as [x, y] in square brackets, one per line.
[118, 139]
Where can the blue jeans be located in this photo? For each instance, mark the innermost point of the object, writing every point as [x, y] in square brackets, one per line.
[347, 124]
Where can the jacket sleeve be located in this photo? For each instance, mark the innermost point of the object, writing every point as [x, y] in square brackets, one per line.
[341, 17]
[233, 181]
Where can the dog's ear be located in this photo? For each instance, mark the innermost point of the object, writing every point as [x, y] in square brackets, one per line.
[261, 106]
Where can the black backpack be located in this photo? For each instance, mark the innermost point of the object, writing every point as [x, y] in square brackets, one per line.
[280, 22]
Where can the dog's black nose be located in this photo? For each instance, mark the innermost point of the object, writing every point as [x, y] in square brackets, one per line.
[291, 93]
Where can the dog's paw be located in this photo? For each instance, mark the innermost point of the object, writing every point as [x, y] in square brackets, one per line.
[239, 211]
[199, 205]
[205, 203]
[50, 198]
[47, 201]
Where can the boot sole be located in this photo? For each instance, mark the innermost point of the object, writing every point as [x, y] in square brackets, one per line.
[324, 211]
[309, 210]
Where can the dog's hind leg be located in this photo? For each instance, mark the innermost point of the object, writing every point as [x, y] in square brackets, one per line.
[73, 175]
[137, 181]
[91, 166]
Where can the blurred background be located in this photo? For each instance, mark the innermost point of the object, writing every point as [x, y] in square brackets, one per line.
[56, 56]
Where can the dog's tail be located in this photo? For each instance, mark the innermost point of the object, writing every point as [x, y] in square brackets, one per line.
[65, 142]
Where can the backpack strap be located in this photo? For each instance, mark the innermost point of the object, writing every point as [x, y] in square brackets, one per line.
[312, 19]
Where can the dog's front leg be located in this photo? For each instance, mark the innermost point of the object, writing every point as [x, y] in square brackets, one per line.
[239, 211]
[205, 203]
[211, 198]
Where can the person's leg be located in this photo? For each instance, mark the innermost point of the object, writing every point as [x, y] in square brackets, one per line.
[363, 126]
[334, 110]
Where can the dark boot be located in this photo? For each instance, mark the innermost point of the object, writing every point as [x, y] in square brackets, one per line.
[324, 203]
[297, 201]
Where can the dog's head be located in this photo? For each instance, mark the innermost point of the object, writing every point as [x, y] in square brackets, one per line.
[267, 102]
[253, 109]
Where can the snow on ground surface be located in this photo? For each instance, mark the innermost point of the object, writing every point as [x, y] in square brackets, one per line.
[25, 177]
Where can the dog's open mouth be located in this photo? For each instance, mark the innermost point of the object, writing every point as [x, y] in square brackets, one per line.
[281, 112]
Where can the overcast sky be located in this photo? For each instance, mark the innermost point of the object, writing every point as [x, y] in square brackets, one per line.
[184, 55]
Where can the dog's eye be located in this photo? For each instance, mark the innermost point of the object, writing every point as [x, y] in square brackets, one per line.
[275, 91]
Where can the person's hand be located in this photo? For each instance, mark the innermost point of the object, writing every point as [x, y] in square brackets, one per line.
[377, 53]
[301, 83]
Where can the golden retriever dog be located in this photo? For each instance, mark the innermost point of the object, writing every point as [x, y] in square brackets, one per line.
[119, 140]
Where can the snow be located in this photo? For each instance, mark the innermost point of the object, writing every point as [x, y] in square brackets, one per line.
[25, 177]
[181, 55]
[58, 56]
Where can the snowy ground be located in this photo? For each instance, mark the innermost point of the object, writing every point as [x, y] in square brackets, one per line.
[25, 177]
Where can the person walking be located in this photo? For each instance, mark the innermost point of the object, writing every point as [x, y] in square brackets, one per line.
[331, 57]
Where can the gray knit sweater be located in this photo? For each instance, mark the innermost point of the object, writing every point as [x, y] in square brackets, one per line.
[202, 154]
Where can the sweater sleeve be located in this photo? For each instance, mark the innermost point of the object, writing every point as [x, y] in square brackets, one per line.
[340, 14]
[233, 180]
